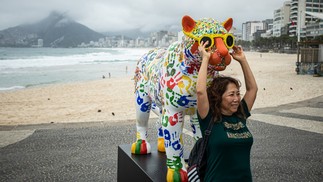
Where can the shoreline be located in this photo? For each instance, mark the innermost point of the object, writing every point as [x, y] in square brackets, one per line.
[112, 99]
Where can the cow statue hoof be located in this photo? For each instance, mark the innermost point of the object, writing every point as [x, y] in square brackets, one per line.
[140, 147]
[176, 175]
[165, 83]
[161, 145]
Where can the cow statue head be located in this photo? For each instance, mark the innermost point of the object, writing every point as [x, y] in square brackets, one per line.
[218, 37]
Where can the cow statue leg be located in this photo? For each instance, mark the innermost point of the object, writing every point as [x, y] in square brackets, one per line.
[160, 134]
[172, 123]
[143, 105]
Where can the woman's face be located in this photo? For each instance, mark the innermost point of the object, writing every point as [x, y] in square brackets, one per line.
[230, 100]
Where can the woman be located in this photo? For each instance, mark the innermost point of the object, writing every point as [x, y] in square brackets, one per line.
[228, 150]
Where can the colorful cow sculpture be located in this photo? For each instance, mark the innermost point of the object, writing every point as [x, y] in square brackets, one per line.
[165, 82]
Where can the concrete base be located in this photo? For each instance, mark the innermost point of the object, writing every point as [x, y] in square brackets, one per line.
[150, 167]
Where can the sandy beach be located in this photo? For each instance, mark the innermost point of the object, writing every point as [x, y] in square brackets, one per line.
[112, 99]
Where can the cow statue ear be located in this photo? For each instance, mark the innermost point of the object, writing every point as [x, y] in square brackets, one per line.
[227, 24]
[188, 23]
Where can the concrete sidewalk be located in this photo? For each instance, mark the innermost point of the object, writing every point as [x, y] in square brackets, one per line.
[287, 147]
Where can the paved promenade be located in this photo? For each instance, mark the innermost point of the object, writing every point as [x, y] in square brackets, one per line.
[287, 147]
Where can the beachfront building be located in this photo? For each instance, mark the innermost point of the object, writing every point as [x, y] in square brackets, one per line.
[40, 42]
[305, 18]
[249, 28]
[281, 19]
[268, 28]
[314, 27]
[268, 24]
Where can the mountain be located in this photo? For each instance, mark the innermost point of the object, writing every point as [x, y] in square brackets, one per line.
[57, 30]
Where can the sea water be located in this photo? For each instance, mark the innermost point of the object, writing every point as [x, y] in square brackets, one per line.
[28, 67]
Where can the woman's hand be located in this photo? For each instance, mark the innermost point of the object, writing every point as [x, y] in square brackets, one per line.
[250, 81]
[204, 53]
[238, 54]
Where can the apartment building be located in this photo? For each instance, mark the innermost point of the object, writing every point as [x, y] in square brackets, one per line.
[249, 28]
[306, 18]
[281, 18]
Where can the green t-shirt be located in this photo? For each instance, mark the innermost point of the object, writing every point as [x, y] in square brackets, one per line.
[228, 150]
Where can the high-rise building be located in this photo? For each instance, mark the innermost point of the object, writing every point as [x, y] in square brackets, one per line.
[40, 42]
[281, 18]
[303, 23]
[249, 28]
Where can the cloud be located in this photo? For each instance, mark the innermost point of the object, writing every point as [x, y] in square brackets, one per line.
[145, 15]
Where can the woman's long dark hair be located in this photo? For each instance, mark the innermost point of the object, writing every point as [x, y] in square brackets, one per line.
[215, 91]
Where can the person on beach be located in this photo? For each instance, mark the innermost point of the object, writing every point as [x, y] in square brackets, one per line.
[229, 145]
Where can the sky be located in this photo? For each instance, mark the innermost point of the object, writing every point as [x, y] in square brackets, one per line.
[143, 15]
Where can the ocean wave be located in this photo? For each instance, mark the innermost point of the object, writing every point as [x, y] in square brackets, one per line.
[11, 88]
[76, 56]
[41, 83]
[107, 61]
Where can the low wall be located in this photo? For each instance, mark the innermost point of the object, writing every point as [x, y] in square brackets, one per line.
[310, 62]
[311, 69]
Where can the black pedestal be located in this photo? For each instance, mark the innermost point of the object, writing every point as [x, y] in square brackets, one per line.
[150, 167]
